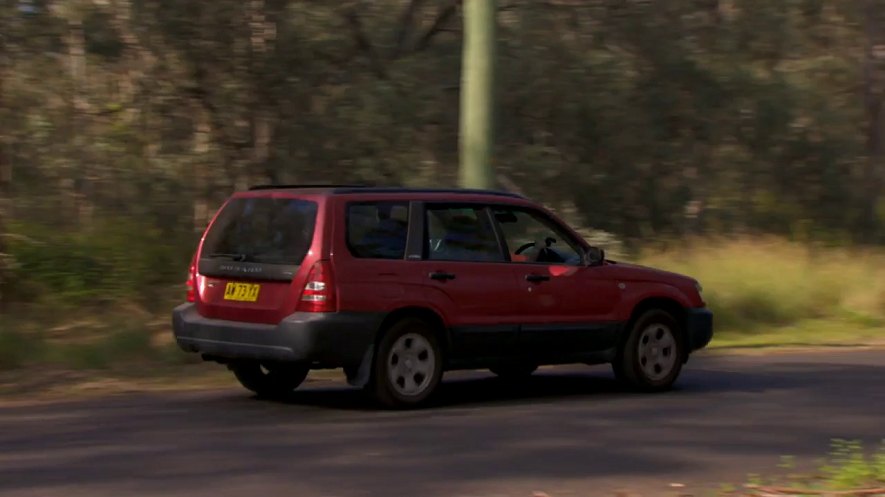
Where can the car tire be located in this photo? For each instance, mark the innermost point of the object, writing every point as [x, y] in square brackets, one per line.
[270, 380]
[651, 357]
[514, 372]
[408, 365]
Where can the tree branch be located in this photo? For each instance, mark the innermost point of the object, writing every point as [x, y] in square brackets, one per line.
[439, 24]
[405, 27]
[363, 43]
[232, 150]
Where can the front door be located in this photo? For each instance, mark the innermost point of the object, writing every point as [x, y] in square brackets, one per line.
[466, 276]
[566, 302]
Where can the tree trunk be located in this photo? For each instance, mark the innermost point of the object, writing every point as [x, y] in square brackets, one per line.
[81, 172]
[478, 94]
[263, 34]
[874, 93]
[5, 183]
[201, 188]
[5, 168]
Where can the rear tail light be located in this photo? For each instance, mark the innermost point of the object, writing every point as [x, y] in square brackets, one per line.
[191, 282]
[318, 294]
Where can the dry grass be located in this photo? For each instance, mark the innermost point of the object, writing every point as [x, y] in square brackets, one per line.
[752, 284]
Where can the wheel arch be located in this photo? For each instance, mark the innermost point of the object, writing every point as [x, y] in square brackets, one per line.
[666, 304]
[424, 313]
[361, 376]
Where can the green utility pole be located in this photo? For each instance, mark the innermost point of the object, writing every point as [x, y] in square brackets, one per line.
[476, 138]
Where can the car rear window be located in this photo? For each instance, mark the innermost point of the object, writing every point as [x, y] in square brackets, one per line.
[263, 230]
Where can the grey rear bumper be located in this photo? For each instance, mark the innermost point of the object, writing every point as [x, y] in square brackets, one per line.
[333, 339]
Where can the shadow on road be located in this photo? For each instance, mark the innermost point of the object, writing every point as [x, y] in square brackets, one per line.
[568, 424]
[472, 389]
[463, 389]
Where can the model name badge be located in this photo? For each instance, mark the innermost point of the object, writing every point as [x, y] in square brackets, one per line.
[241, 269]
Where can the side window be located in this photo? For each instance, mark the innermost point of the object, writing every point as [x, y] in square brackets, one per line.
[531, 238]
[377, 230]
[460, 234]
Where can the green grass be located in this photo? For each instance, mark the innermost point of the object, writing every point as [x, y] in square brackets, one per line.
[849, 466]
[19, 349]
[111, 344]
[127, 345]
[771, 291]
[115, 260]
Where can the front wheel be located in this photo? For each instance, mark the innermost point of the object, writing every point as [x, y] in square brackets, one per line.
[408, 364]
[270, 380]
[652, 356]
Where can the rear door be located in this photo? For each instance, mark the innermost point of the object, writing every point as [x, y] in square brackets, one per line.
[251, 256]
[464, 273]
[371, 272]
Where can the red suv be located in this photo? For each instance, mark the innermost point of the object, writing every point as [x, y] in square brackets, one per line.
[398, 285]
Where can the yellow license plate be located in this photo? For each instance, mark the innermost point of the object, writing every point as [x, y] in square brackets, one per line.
[241, 292]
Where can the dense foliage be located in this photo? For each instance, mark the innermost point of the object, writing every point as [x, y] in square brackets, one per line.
[123, 123]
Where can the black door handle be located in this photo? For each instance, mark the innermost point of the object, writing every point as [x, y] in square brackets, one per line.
[537, 278]
[441, 276]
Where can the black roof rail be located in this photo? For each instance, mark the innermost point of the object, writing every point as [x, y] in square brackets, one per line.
[395, 189]
[283, 187]
[339, 189]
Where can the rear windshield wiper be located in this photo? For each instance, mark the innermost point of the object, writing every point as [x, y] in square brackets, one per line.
[233, 257]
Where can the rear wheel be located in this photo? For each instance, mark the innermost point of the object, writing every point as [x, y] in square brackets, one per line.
[652, 356]
[408, 364]
[514, 372]
[270, 379]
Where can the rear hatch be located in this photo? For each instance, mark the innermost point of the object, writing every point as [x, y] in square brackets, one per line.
[249, 262]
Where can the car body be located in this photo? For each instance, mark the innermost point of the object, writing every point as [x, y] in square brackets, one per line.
[288, 279]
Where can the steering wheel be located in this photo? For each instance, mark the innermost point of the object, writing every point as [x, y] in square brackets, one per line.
[524, 247]
[546, 245]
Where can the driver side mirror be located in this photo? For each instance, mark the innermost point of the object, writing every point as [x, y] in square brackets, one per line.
[594, 256]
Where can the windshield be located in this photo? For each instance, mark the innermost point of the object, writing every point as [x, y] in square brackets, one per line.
[262, 229]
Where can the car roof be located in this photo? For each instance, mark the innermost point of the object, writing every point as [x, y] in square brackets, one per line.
[325, 190]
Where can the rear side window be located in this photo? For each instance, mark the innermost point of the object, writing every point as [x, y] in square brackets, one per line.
[262, 229]
[460, 234]
[377, 230]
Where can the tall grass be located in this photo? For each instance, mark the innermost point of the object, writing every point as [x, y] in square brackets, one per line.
[755, 283]
[757, 288]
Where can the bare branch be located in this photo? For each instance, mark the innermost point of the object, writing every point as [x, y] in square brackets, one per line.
[233, 151]
[439, 24]
[362, 42]
[405, 27]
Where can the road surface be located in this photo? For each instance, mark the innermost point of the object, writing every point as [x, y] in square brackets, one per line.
[569, 431]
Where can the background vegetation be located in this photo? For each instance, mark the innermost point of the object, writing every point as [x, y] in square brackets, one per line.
[656, 126]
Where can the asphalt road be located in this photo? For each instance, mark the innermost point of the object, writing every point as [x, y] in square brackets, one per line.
[569, 431]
